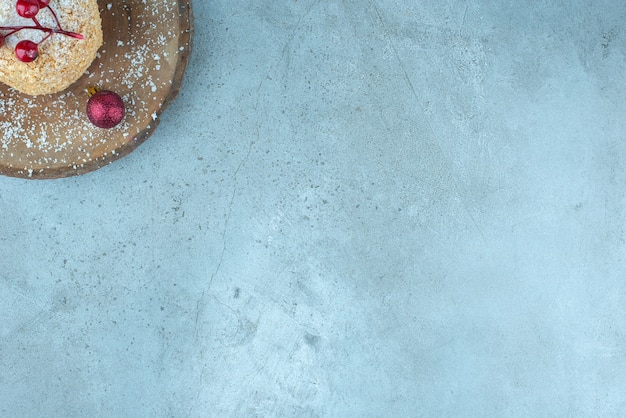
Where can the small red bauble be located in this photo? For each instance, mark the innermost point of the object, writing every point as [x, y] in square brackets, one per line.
[105, 109]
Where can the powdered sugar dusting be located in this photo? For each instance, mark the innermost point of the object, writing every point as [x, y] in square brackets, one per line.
[138, 62]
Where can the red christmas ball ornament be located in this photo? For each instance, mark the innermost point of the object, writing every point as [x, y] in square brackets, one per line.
[105, 108]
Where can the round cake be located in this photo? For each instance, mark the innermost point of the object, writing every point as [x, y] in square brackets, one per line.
[46, 45]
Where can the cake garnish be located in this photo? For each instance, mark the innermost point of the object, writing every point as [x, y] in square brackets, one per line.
[27, 50]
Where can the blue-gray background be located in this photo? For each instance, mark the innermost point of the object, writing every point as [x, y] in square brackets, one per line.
[377, 208]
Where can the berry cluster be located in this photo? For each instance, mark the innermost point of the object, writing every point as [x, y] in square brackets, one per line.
[26, 50]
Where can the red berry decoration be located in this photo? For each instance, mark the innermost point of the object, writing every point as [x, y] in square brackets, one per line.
[28, 51]
[105, 109]
[27, 8]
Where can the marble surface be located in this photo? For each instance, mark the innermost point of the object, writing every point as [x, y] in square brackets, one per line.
[354, 209]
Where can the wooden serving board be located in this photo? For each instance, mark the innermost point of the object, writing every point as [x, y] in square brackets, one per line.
[146, 49]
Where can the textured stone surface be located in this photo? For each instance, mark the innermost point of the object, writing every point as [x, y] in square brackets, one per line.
[364, 208]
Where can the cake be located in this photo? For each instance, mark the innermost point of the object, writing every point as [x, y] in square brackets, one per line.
[58, 44]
